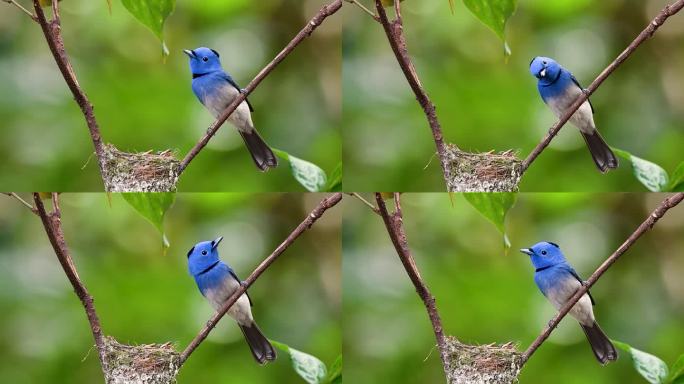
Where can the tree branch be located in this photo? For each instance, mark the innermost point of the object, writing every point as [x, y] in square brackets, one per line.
[316, 214]
[53, 229]
[395, 230]
[395, 36]
[53, 36]
[314, 23]
[659, 212]
[659, 20]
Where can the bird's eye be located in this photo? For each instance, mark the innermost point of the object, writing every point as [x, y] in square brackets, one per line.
[207, 59]
[543, 62]
[205, 252]
[543, 252]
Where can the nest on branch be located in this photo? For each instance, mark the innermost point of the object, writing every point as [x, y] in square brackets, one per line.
[140, 364]
[482, 172]
[482, 364]
[140, 172]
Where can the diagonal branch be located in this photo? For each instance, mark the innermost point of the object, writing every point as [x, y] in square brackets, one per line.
[316, 214]
[395, 35]
[53, 228]
[395, 230]
[53, 36]
[659, 212]
[314, 23]
[659, 20]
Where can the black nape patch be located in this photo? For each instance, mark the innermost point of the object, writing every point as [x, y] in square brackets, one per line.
[554, 244]
[190, 251]
[216, 53]
[532, 60]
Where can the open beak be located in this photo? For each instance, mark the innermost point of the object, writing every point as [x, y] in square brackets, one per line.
[527, 251]
[216, 242]
[542, 73]
[190, 53]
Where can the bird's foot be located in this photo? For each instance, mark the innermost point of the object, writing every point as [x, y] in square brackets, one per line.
[243, 283]
[586, 91]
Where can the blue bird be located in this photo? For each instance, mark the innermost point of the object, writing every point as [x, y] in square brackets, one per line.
[217, 282]
[215, 89]
[558, 281]
[559, 89]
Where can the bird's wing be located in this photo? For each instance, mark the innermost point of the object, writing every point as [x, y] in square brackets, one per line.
[574, 273]
[234, 84]
[574, 80]
[232, 273]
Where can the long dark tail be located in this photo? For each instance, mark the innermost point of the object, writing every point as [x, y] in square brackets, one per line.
[600, 343]
[261, 153]
[262, 350]
[600, 151]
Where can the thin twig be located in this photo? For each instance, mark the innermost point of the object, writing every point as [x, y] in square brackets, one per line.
[53, 36]
[316, 214]
[26, 11]
[668, 11]
[395, 36]
[395, 229]
[668, 203]
[363, 8]
[366, 202]
[53, 229]
[22, 201]
[316, 21]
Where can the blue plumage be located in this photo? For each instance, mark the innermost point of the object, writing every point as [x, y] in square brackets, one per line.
[558, 281]
[216, 90]
[218, 282]
[559, 89]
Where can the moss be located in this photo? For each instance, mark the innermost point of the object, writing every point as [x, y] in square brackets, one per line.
[140, 364]
[140, 172]
[482, 364]
[482, 172]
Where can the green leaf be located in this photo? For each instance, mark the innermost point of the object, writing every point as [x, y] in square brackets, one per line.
[651, 175]
[335, 179]
[152, 14]
[650, 367]
[308, 367]
[494, 14]
[153, 207]
[677, 179]
[493, 206]
[309, 175]
[677, 370]
[335, 372]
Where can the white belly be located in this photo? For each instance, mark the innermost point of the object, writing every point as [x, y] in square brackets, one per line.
[582, 310]
[583, 118]
[240, 311]
[241, 118]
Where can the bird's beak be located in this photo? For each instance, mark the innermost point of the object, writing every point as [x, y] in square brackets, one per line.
[527, 251]
[216, 242]
[190, 53]
[542, 73]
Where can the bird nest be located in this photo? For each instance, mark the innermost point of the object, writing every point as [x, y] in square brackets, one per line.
[482, 172]
[140, 364]
[482, 364]
[140, 172]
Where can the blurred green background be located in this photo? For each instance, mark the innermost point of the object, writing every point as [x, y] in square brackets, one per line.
[484, 103]
[143, 296]
[486, 296]
[142, 103]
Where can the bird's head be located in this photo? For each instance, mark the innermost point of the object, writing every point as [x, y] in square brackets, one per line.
[545, 69]
[203, 60]
[544, 254]
[203, 255]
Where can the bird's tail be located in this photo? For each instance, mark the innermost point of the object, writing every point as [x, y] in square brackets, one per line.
[261, 153]
[262, 350]
[600, 151]
[600, 343]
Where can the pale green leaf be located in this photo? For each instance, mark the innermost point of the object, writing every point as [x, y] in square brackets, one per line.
[152, 206]
[677, 371]
[651, 175]
[494, 14]
[650, 367]
[309, 175]
[677, 179]
[335, 372]
[308, 367]
[335, 179]
[493, 206]
[152, 14]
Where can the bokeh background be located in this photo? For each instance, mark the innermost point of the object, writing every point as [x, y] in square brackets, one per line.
[486, 296]
[144, 296]
[484, 103]
[143, 103]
